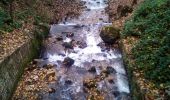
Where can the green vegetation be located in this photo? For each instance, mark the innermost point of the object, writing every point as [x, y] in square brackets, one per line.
[151, 24]
[13, 13]
[6, 23]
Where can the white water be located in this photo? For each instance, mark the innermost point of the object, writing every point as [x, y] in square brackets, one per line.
[90, 34]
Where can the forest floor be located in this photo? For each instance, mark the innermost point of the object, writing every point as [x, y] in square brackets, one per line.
[10, 41]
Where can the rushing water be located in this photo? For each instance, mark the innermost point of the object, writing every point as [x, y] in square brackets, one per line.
[86, 54]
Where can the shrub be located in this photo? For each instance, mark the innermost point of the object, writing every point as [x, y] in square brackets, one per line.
[151, 23]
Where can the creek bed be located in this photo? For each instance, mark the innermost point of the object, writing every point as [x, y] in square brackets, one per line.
[85, 67]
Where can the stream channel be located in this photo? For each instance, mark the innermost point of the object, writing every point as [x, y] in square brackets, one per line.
[86, 67]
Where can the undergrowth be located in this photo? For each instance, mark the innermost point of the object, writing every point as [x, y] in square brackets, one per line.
[22, 10]
[151, 24]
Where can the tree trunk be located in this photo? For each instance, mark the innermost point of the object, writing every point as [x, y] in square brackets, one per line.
[11, 10]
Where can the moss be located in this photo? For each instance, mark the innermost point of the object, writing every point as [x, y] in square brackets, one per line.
[112, 31]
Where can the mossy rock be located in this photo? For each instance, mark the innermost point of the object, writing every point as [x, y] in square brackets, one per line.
[110, 34]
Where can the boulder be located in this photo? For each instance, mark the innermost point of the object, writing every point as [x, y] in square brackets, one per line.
[68, 62]
[82, 3]
[88, 9]
[68, 82]
[81, 44]
[92, 69]
[110, 34]
[60, 38]
[78, 26]
[67, 45]
[69, 34]
[116, 93]
[61, 54]
[111, 81]
[110, 70]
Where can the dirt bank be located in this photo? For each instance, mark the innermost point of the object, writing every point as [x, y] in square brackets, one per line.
[121, 10]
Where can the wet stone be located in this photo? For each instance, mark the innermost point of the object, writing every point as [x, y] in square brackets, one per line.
[68, 62]
[123, 96]
[88, 9]
[92, 69]
[73, 43]
[110, 34]
[78, 26]
[59, 38]
[111, 81]
[67, 45]
[105, 1]
[100, 18]
[68, 82]
[101, 44]
[110, 70]
[69, 34]
[79, 96]
[61, 54]
[103, 75]
[65, 33]
[51, 90]
[116, 93]
[45, 58]
[103, 50]
[82, 45]
[82, 3]
[59, 62]
[104, 55]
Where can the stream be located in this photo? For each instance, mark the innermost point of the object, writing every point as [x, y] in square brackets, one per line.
[86, 68]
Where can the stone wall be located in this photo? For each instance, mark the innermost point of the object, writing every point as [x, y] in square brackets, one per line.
[136, 93]
[12, 67]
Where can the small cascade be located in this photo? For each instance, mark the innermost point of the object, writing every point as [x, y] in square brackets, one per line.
[78, 40]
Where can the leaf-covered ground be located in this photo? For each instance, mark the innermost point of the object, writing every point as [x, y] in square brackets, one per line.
[35, 82]
[9, 42]
[28, 14]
